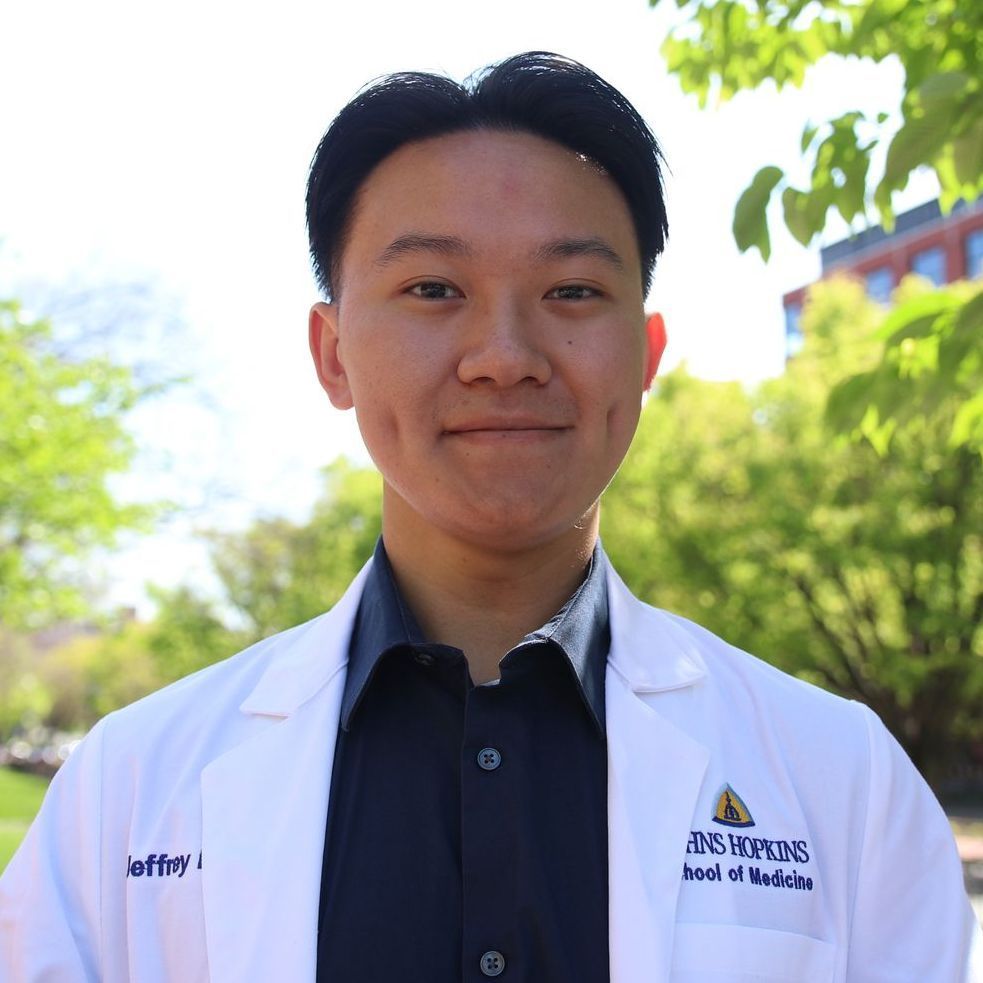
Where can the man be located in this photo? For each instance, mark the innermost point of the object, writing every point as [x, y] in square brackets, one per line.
[488, 759]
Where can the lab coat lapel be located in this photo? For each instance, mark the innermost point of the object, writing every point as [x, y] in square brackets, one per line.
[654, 775]
[264, 805]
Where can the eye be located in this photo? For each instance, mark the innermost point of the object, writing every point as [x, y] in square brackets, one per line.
[573, 291]
[434, 290]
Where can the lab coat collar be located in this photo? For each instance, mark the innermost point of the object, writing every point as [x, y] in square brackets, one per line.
[649, 649]
[300, 668]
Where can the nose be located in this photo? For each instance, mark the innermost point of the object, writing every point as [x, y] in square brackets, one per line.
[501, 348]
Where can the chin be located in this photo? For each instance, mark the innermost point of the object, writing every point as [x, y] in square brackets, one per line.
[510, 518]
[514, 529]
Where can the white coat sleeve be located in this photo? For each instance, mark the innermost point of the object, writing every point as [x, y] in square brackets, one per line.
[911, 917]
[50, 891]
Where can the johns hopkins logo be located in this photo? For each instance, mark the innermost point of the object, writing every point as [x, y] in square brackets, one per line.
[731, 810]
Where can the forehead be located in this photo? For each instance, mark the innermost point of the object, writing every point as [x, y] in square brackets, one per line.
[498, 191]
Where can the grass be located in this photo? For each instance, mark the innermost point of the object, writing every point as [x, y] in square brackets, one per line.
[20, 799]
[21, 795]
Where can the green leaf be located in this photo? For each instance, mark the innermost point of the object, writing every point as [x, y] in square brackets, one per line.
[750, 214]
[920, 138]
[878, 433]
[932, 111]
[967, 426]
[851, 192]
[970, 317]
[915, 317]
[808, 135]
[848, 401]
[943, 89]
[798, 217]
[883, 203]
[967, 154]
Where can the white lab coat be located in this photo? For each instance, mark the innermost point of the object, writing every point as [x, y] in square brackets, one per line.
[219, 786]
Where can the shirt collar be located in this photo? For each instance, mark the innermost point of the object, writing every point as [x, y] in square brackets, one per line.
[383, 622]
[580, 630]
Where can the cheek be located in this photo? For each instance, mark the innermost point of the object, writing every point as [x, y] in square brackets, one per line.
[395, 400]
[618, 382]
[371, 359]
[622, 422]
[623, 415]
[386, 355]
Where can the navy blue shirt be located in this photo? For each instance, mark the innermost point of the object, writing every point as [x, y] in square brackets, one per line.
[467, 828]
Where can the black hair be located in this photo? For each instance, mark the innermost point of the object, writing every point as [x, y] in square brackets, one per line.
[537, 92]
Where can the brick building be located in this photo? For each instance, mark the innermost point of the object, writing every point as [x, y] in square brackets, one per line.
[940, 247]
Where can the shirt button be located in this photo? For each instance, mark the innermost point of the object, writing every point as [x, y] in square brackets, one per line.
[424, 658]
[492, 963]
[489, 759]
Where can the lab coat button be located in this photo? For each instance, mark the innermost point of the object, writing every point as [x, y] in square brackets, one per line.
[489, 759]
[492, 963]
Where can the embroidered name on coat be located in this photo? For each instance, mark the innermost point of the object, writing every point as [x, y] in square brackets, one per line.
[160, 865]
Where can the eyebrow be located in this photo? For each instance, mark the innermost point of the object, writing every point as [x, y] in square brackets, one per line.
[446, 245]
[590, 246]
[415, 242]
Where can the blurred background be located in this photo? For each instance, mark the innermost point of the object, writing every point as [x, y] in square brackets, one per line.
[806, 480]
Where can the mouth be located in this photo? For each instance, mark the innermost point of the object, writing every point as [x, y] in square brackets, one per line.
[498, 422]
[512, 431]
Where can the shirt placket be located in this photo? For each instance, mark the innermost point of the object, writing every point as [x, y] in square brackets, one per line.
[488, 855]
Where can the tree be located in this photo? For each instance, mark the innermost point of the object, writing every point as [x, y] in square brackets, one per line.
[934, 347]
[275, 574]
[724, 47]
[280, 573]
[62, 439]
[187, 634]
[92, 673]
[857, 569]
[932, 360]
[25, 696]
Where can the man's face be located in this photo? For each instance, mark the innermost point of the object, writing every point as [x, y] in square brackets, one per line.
[489, 332]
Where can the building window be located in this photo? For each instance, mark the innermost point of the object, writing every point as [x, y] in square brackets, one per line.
[974, 254]
[794, 338]
[930, 263]
[880, 283]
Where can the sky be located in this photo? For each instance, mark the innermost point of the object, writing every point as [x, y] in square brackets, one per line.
[161, 152]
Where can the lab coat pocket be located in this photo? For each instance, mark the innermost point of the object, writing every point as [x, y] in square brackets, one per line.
[738, 954]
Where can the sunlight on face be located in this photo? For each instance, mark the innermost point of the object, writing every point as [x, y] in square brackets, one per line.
[490, 333]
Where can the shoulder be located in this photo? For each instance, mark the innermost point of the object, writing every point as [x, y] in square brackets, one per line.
[195, 719]
[783, 709]
[704, 682]
[218, 688]
[828, 753]
[270, 678]
[743, 672]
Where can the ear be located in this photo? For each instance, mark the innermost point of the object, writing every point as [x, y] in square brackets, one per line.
[322, 332]
[655, 336]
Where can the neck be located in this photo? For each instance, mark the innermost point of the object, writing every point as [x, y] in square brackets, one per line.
[480, 599]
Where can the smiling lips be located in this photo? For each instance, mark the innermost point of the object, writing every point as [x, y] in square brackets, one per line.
[502, 428]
